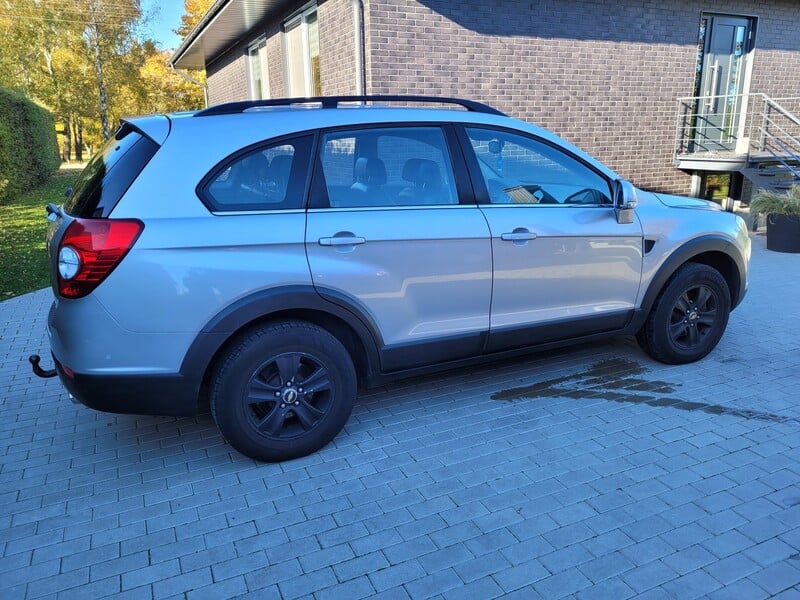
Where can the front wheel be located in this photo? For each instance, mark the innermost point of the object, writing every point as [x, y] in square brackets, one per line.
[283, 390]
[688, 317]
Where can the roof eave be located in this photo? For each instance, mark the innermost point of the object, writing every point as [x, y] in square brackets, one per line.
[177, 59]
[220, 29]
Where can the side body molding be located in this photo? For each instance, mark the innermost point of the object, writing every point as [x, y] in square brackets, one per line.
[298, 301]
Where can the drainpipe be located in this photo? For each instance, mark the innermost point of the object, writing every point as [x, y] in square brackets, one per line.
[358, 40]
[184, 75]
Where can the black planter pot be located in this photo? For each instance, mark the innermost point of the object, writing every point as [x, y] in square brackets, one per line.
[783, 233]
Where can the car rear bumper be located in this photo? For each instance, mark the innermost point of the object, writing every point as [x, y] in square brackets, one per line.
[158, 394]
[111, 369]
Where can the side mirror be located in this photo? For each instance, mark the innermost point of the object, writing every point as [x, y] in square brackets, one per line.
[495, 147]
[625, 201]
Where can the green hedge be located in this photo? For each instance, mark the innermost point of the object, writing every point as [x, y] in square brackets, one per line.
[28, 147]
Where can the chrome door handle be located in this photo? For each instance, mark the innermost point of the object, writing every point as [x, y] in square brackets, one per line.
[351, 240]
[712, 101]
[518, 236]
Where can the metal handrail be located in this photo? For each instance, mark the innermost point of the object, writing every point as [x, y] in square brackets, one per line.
[788, 143]
[776, 127]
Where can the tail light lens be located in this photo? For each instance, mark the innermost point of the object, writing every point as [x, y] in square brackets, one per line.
[90, 249]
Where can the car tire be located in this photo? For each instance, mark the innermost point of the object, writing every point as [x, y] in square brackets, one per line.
[283, 390]
[689, 316]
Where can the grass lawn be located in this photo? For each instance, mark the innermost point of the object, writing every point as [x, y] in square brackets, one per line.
[23, 224]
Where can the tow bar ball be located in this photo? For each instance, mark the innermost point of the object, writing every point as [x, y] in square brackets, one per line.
[39, 371]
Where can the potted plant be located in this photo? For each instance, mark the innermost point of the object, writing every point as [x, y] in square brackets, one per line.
[783, 218]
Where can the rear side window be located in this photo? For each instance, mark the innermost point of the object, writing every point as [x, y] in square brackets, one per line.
[387, 166]
[270, 177]
[110, 173]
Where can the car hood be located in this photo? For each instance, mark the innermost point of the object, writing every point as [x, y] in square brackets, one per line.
[684, 202]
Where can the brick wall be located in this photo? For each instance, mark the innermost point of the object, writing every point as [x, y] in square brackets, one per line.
[337, 47]
[604, 76]
[227, 75]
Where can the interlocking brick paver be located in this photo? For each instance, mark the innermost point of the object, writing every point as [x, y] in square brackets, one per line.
[514, 578]
[648, 576]
[396, 575]
[481, 566]
[482, 588]
[433, 489]
[230, 588]
[732, 568]
[352, 590]
[769, 552]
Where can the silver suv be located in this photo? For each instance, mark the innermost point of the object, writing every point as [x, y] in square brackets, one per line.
[274, 256]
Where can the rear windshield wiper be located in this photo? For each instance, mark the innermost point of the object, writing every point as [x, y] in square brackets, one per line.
[53, 211]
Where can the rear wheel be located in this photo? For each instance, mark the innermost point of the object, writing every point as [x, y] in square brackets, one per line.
[283, 390]
[688, 317]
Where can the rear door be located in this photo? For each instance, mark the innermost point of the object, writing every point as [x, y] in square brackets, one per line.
[563, 266]
[393, 233]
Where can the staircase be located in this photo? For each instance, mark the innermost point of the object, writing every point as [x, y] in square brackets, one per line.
[761, 139]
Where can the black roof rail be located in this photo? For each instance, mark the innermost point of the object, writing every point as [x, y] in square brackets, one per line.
[333, 101]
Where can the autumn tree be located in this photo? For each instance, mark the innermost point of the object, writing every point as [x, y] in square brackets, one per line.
[194, 11]
[84, 61]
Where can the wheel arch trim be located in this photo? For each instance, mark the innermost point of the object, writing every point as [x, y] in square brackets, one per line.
[259, 306]
[691, 250]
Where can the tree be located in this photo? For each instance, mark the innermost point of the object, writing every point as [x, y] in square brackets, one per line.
[84, 61]
[195, 10]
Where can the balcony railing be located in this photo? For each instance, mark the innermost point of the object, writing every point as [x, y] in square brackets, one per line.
[745, 126]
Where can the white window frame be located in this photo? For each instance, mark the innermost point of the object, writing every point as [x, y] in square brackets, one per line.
[300, 19]
[258, 48]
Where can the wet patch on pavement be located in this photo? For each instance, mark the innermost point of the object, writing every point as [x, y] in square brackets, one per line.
[619, 380]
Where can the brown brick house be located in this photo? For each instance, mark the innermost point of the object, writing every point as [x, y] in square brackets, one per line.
[606, 76]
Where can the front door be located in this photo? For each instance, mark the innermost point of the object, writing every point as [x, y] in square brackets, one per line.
[563, 266]
[724, 43]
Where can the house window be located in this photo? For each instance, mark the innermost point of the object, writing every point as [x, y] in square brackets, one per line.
[301, 45]
[257, 69]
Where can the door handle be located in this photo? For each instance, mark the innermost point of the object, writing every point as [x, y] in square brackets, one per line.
[712, 100]
[342, 240]
[518, 235]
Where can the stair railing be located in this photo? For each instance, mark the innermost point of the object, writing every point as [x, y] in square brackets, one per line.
[779, 134]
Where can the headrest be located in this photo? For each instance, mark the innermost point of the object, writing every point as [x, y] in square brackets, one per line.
[423, 172]
[370, 170]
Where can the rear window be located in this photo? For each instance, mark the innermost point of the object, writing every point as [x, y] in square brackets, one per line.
[110, 173]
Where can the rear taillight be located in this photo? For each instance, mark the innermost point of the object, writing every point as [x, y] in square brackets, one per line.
[90, 249]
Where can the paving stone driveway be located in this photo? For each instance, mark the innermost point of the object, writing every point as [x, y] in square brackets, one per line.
[592, 472]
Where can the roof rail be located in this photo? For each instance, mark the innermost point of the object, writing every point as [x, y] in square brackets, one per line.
[333, 101]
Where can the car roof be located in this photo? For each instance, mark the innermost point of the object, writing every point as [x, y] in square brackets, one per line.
[232, 130]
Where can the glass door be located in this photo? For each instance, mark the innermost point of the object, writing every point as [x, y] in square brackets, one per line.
[724, 43]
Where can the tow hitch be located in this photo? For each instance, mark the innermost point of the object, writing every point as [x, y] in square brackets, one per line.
[35, 359]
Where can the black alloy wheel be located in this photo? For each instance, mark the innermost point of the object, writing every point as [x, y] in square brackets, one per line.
[288, 396]
[693, 317]
[689, 316]
[283, 390]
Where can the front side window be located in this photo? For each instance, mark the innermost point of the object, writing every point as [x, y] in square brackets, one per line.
[301, 46]
[393, 166]
[257, 69]
[521, 170]
[270, 177]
